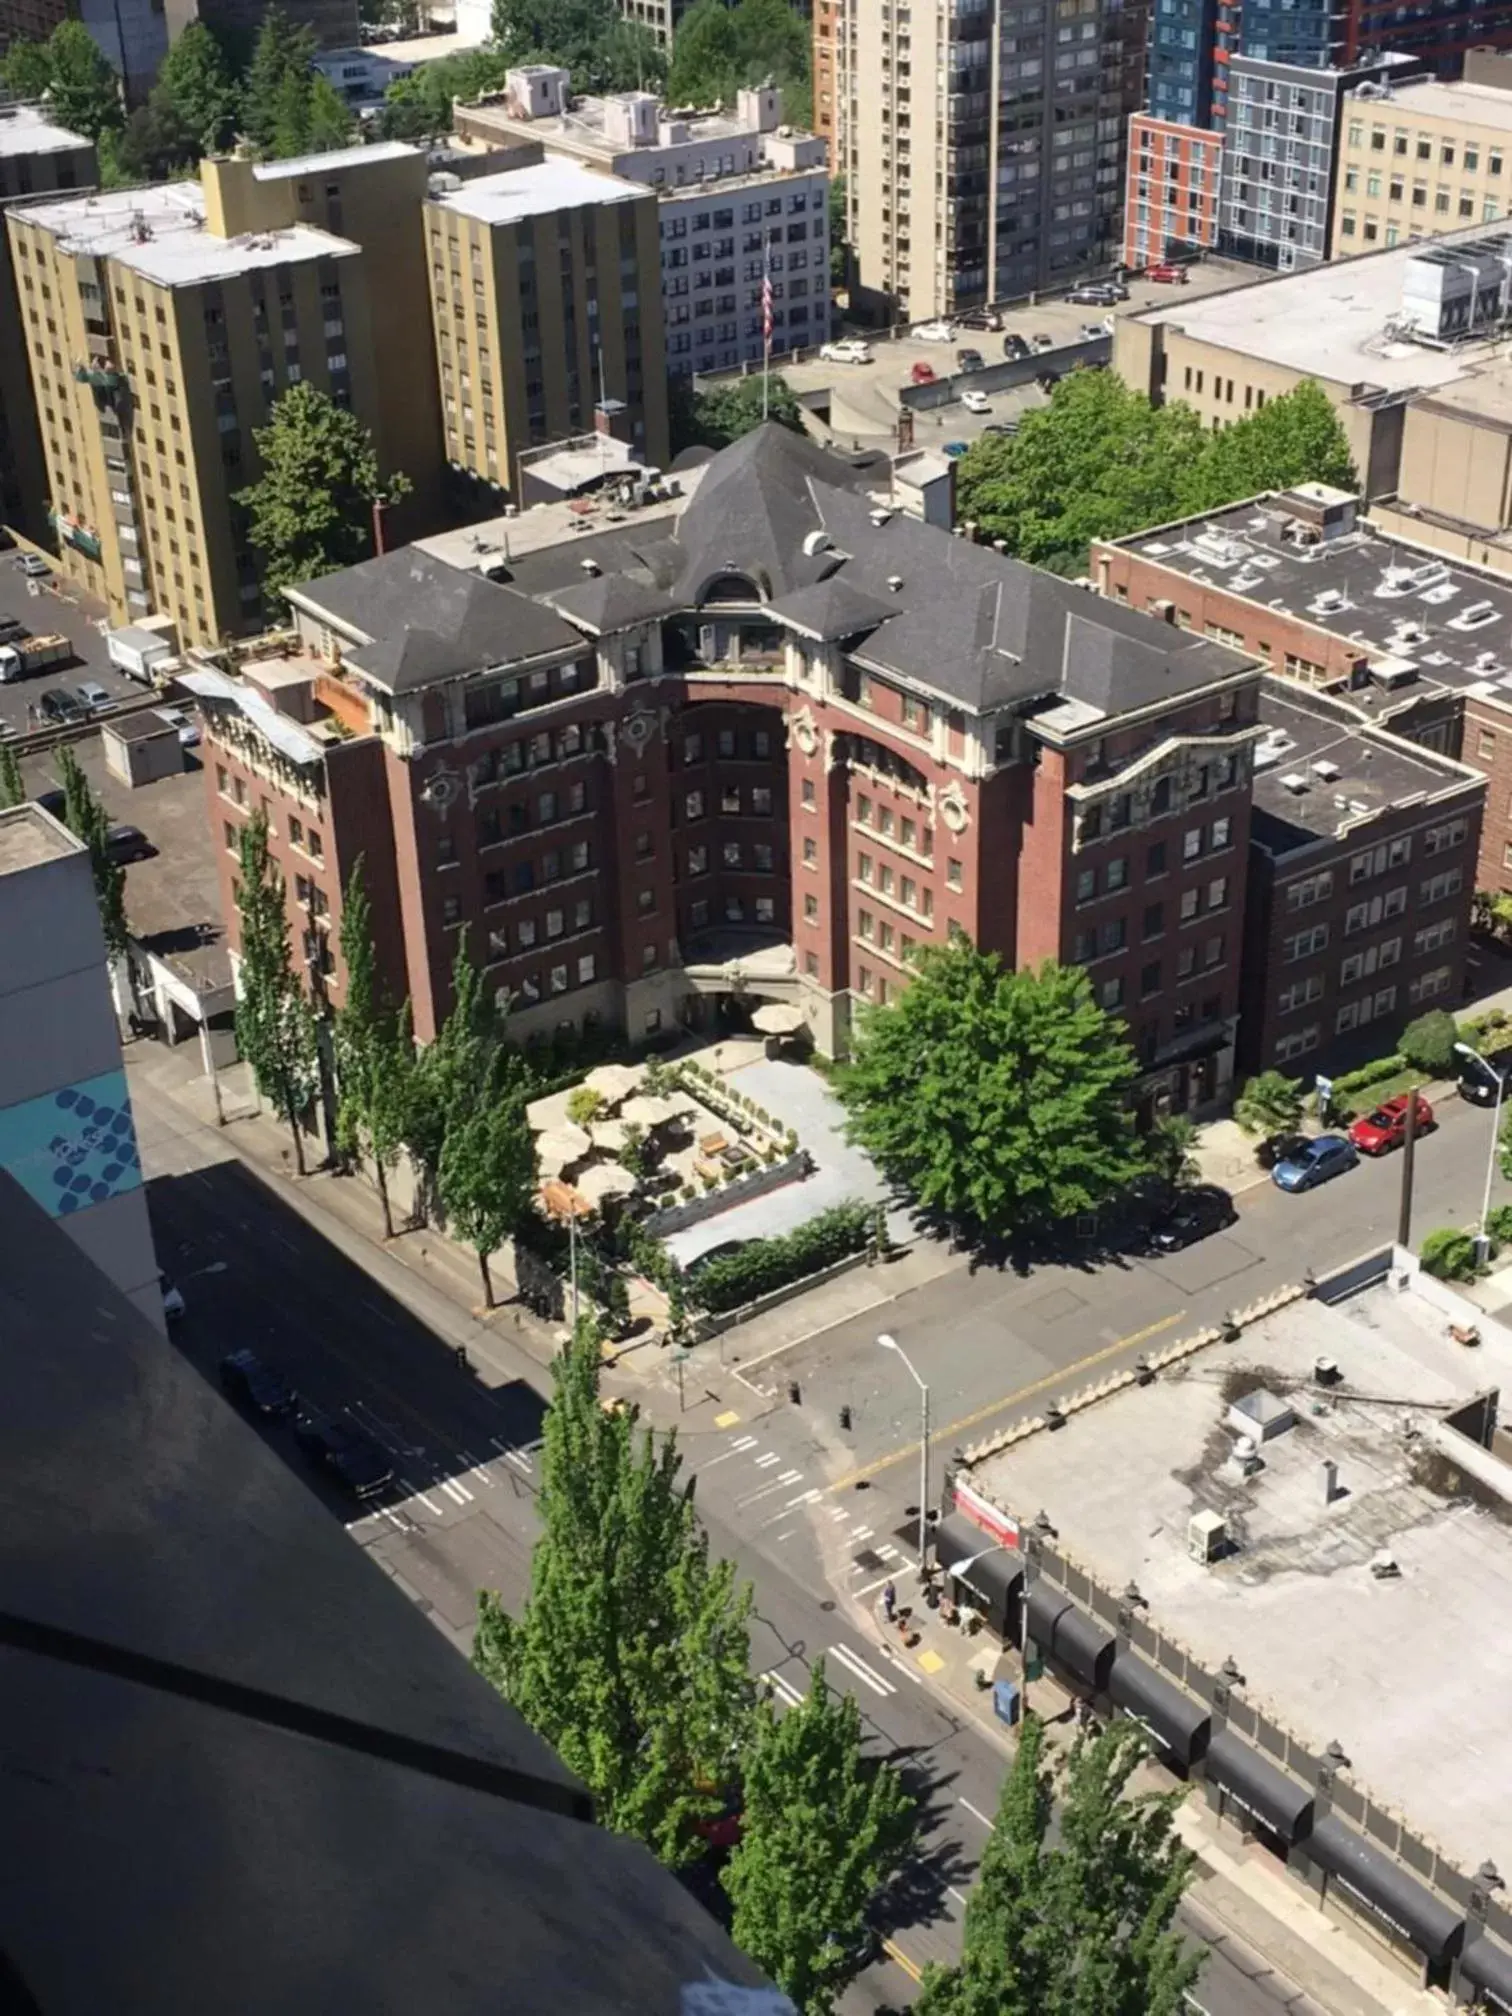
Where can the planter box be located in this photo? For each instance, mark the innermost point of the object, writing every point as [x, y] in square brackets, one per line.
[677, 1217]
[714, 1326]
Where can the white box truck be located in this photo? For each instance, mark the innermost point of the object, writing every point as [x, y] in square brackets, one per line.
[138, 651]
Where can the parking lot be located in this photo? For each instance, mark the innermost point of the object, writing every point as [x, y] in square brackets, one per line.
[45, 613]
[863, 404]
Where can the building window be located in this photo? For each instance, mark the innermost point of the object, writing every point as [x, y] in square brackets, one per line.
[811, 909]
[1303, 944]
[954, 875]
[693, 805]
[1297, 1044]
[810, 852]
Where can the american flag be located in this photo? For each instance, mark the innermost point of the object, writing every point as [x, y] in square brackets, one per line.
[766, 308]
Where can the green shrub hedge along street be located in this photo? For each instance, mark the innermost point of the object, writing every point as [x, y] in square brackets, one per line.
[768, 1264]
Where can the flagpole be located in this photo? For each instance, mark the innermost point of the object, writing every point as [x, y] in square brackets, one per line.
[766, 327]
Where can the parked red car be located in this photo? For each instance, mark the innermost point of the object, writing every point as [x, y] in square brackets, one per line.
[922, 374]
[1379, 1132]
[1168, 275]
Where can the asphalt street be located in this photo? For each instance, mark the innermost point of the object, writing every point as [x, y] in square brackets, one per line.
[779, 1498]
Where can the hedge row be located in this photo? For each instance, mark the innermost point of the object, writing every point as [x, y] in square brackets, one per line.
[1450, 1253]
[1369, 1074]
[768, 1264]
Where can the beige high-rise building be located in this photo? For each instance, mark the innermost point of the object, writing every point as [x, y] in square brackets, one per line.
[982, 144]
[36, 156]
[161, 326]
[1421, 159]
[545, 286]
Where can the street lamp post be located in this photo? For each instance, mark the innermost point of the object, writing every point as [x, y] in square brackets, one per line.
[890, 1343]
[1482, 1238]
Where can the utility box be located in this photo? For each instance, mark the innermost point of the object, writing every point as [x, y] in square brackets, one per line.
[1006, 1701]
[1207, 1536]
[141, 748]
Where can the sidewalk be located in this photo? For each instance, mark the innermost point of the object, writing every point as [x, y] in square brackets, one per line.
[1239, 1893]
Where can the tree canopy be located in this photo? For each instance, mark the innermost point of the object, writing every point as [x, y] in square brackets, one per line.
[196, 82]
[288, 107]
[1100, 462]
[72, 75]
[721, 414]
[419, 106]
[1270, 1104]
[275, 1030]
[1084, 1925]
[995, 1099]
[823, 1826]
[719, 49]
[88, 820]
[310, 511]
[631, 1655]
[589, 38]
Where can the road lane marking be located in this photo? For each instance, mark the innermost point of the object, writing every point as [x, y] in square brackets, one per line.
[803, 1498]
[910, 1967]
[861, 1533]
[951, 1891]
[765, 1462]
[784, 1689]
[414, 1491]
[791, 1477]
[907, 1671]
[859, 1670]
[512, 1455]
[739, 1447]
[902, 1566]
[975, 1812]
[839, 1512]
[1063, 1379]
[454, 1490]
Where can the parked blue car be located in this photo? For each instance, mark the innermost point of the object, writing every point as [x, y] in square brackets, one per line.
[1313, 1162]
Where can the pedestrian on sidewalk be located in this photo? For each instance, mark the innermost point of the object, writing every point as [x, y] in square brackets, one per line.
[889, 1601]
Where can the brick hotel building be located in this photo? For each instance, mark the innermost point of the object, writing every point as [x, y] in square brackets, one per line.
[766, 741]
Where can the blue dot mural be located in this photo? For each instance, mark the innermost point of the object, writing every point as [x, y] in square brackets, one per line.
[73, 1148]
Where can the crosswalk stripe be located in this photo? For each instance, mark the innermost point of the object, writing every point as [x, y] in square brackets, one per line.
[859, 1670]
[783, 1688]
[765, 1462]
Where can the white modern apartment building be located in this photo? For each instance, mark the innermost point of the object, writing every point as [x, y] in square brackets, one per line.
[740, 197]
[982, 142]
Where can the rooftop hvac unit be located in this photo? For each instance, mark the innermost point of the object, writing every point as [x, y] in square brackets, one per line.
[1207, 1536]
[1326, 770]
[1294, 782]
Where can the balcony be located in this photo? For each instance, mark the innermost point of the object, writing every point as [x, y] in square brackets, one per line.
[101, 378]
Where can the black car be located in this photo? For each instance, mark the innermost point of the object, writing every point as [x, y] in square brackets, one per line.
[970, 360]
[251, 1383]
[55, 802]
[63, 708]
[1016, 348]
[345, 1453]
[979, 318]
[1481, 1085]
[13, 630]
[1192, 1216]
[128, 843]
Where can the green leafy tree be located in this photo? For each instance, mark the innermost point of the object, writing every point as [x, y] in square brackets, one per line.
[1172, 1145]
[839, 234]
[282, 51]
[721, 414]
[83, 92]
[1100, 462]
[631, 1656]
[1270, 1105]
[719, 49]
[823, 1828]
[375, 1053]
[195, 81]
[12, 788]
[153, 145]
[1429, 1042]
[1448, 1254]
[455, 1076]
[275, 1030]
[27, 70]
[487, 1176]
[419, 107]
[589, 38]
[310, 511]
[87, 819]
[1088, 1924]
[995, 1098]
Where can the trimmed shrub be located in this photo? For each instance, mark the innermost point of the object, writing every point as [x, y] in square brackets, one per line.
[584, 1105]
[1429, 1042]
[1369, 1074]
[1448, 1255]
[1499, 1224]
[768, 1264]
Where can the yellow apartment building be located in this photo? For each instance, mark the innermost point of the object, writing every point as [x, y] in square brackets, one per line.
[546, 296]
[1422, 159]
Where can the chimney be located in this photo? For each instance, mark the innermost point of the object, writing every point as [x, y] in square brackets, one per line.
[1165, 610]
[612, 417]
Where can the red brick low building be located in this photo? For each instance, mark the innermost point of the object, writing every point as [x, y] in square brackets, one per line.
[769, 743]
[1171, 187]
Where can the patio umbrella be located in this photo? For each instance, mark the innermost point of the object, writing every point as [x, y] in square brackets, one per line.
[608, 1134]
[563, 1144]
[647, 1110]
[613, 1082]
[778, 1018]
[541, 1115]
[604, 1179]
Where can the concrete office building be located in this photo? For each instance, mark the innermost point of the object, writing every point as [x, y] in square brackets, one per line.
[1171, 202]
[739, 197]
[66, 1132]
[163, 323]
[335, 24]
[1423, 158]
[545, 293]
[1280, 155]
[36, 156]
[982, 144]
[771, 737]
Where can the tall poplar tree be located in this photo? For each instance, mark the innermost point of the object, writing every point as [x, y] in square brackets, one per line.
[87, 819]
[375, 1053]
[275, 1030]
[631, 1655]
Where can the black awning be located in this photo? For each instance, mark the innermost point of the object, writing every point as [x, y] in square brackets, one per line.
[1083, 1646]
[1045, 1606]
[1385, 1888]
[1488, 1966]
[1177, 1722]
[995, 1571]
[1261, 1788]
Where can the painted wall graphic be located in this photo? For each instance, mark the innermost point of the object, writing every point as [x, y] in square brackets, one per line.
[75, 1147]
